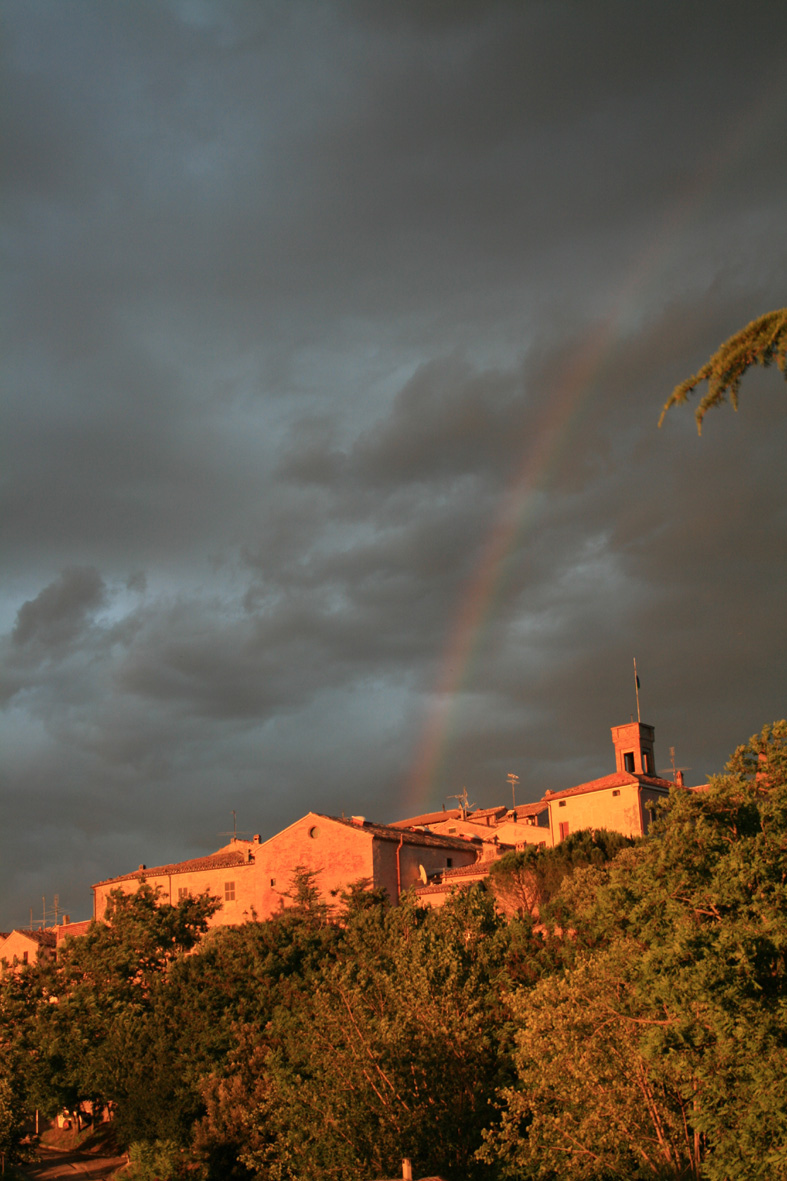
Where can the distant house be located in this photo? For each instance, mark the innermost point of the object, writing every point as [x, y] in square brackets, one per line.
[22, 947]
[254, 878]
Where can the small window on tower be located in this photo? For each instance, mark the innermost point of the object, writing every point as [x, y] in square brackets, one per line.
[229, 891]
[646, 761]
[628, 761]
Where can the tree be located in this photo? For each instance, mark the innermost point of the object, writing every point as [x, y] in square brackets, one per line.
[95, 1015]
[761, 342]
[673, 1028]
[406, 1045]
[524, 882]
[11, 1123]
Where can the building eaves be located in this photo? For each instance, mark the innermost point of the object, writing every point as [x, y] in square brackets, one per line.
[619, 779]
[196, 865]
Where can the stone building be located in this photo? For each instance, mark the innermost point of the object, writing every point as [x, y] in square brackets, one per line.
[253, 878]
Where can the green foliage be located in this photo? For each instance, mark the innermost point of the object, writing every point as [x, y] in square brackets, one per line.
[11, 1122]
[91, 1025]
[159, 1160]
[761, 342]
[524, 881]
[394, 1049]
[402, 1055]
[663, 1051]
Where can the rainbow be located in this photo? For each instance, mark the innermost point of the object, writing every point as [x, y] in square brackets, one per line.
[574, 386]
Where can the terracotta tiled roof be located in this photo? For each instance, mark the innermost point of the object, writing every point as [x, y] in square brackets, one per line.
[466, 871]
[531, 809]
[619, 779]
[428, 818]
[387, 832]
[228, 860]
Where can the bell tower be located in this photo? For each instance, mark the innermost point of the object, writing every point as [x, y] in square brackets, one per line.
[634, 748]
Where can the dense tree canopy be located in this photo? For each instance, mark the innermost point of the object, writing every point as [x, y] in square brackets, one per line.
[761, 342]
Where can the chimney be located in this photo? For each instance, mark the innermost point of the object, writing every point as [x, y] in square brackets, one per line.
[679, 779]
[359, 820]
[256, 839]
[407, 1169]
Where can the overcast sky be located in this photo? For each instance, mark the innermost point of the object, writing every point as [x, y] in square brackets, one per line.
[336, 337]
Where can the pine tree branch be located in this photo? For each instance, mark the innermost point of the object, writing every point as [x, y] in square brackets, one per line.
[760, 343]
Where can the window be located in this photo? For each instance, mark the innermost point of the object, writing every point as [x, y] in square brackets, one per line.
[628, 761]
[647, 762]
[273, 881]
[452, 830]
[314, 833]
[563, 829]
[183, 893]
[24, 957]
[562, 804]
[229, 891]
[616, 792]
[449, 861]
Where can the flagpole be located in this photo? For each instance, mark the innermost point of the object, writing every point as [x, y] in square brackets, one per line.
[636, 689]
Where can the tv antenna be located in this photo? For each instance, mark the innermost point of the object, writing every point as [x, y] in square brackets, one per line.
[234, 833]
[636, 688]
[672, 767]
[513, 780]
[463, 802]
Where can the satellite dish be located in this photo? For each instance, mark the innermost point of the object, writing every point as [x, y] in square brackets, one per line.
[422, 873]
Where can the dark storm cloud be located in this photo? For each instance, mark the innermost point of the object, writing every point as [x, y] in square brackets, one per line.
[295, 294]
[59, 612]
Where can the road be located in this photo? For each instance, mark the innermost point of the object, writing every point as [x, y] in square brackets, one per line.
[54, 1166]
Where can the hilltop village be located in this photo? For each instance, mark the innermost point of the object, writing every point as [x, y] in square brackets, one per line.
[432, 854]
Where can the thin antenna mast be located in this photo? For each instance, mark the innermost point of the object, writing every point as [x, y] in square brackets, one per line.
[636, 688]
[234, 833]
[513, 780]
[464, 802]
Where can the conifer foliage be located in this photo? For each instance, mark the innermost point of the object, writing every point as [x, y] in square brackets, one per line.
[761, 342]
